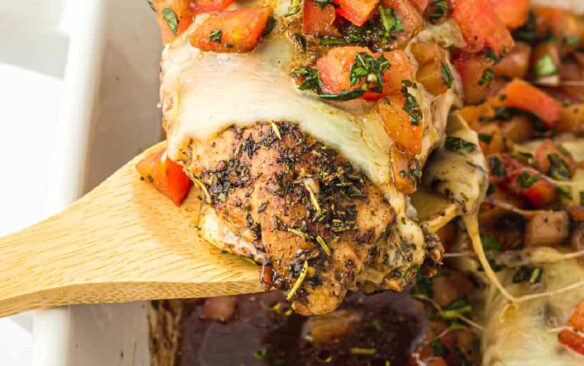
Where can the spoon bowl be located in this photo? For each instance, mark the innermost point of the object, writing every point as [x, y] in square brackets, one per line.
[123, 241]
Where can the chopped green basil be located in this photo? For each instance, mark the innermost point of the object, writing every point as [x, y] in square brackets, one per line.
[457, 324]
[260, 354]
[455, 310]
[545, 66]
[565, 191]
[328, 41]
[446, 74]
[487, 76]
[491, 55]
[571, 40]
[458, 145]
[423, 286]
[491, 189]
[310, 76]
[490, 243]
[369, 70]
[390, 20]
[270, 24]
[323, 2]
[378, 34]
[415, 172]
[527, 32]
[215, 35]
[376, 324]
[558, 167]
[496, 166]
[440, 8]
[170, 18]
[411, 106]
[528, 274]
[346, 95]
[438, 348]
[294, 8]
[523, 156]
[301, 41]
[525, 180]
[486, 138]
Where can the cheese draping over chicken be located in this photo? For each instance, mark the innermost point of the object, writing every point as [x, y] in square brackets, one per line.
[302, 186]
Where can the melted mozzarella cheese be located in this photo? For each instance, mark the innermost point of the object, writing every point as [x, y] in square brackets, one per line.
[462, 178]
[523, 334]
[203, 93]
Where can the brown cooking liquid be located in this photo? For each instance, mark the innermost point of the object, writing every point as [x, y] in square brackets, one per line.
[387, 328]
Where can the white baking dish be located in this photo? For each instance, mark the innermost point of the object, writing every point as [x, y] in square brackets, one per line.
[123, 120]
[107, 115]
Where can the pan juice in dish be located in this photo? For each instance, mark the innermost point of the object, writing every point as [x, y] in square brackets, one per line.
[427, 147]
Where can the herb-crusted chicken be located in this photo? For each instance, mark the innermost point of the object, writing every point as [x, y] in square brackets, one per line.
[314, 221]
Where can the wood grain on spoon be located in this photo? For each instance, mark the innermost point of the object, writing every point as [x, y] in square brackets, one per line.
[123, 241]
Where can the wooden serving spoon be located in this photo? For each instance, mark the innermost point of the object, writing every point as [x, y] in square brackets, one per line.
[123, 241]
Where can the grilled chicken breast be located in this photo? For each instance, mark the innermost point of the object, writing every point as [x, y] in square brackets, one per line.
[298, 184]
[296, 201]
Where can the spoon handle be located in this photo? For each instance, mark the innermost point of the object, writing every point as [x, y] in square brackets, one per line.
[122, 242]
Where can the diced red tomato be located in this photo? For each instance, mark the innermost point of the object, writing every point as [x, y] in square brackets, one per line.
[574, 339]
[560, 22]
[474, 73]
[472, 114]
[175, 11]
[402, 166]
[231, 30]
[335, 68]
[420, 5]
[427, 52]
[500, 165]
[401, 69]
[318, 19]
[480, 26]
[208, 6]
[397, 123]
[516, 63]
[356, 11]
[514, 13]
[409, 17]
[432, 78]
[541, 192]
[522, 180]
[519, 94]
[548, 148]
[166, 175]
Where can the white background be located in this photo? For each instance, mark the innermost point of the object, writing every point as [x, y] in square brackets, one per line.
[35, 43]
[32, 64]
